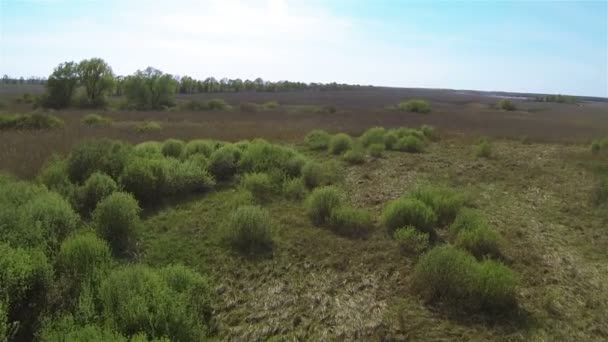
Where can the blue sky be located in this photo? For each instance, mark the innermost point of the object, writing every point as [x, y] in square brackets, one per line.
[548, 47]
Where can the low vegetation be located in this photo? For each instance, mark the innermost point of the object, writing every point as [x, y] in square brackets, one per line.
[96, 120]
[483, 148]
[415, 106]
[29, 121]
[505, 104]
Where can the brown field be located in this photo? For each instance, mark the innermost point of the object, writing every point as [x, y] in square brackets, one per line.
[454, 112]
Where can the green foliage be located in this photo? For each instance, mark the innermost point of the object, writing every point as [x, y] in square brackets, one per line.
[481, 241]
[145, 178]
[356, 155]
[103, 155]
[483, 148]
[54, 176]
[66, 329]
[116, 219]
[249, 229]
[505, 104]
[456, 278]
[173, 148]
[557, 99]
[409, 143]
[347, 221]
[376, 150]
[429, 132]
[262, 156]
[321, 203]
[415, 106]
[294, 189]
[595, 147]
[317, 174]
[467, 219]
[390, 140]
[149, 89]
[98, 80]
[148, 126]
[194, 105]
[248, 107]
[84, 257]
[271, 105]
[96, 120]
[189, 176]
[200, 146]
[317, 140]
[60, 86]
[260, 185]
[29, 121]
[340, 143]
[149, 149]
[374, 135]
[223, 163]
[97, 187]
[404, 212]
[138, 299]
[411, 240]
[217, 104]
[444, 201]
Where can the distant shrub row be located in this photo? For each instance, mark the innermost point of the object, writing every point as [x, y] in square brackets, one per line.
[29, 121]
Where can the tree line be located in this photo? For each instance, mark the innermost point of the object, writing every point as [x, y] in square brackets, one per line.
[90, 82]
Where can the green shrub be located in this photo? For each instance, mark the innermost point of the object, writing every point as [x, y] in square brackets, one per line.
[194, 105]
[200, 146]
[294, 189]
[356, 155]
[410, 144]
[148, 126]
[173, 148]
[390, 140]
[351, 222]
[97, 187]
[374, 135]
[405, 132]
[262, 156]
[317, 140]
[595, 147]
[376, 150]
[29, 121]
[505, 104]
[55, 177]
[66, 329]
[260, 185]
[145, 178]
[223, 162]
[444, 201]
[271, 105]
[404, 212]
[189, 176]
[483, 148]
[411, 240]
[96, 120]
[481, 241]
[340, 143]
[601, 193]
[139, 299]
[249, 107]
[117, 221]
[149, 149]
[294, 165]
[102, 155]
[318, 174]
[217, 104]
[466, 219]
[249, 229]
[84, 257]
[496, 286]
[321, 203]
[415, 106]
[329, 109]
[429, 132]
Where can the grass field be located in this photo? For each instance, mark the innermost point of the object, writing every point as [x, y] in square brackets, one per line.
[535, 188]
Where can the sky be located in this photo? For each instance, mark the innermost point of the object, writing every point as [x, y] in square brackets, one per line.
[542, 47]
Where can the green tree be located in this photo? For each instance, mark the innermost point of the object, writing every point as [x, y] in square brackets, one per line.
[150, 89]
[61, 85]
[97, 78]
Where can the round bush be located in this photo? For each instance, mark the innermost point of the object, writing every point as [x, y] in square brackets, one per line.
[467, 219]
[390, 140]
[374, 135]
[356, 155]
[259, 184]
[54, 176]
[429, 132]
[316, 174]
[200, 146]
[444, 201]
[496, 287]
[249, 107]
[483, 148]
[376, 150]
[84, 257]
[321, 203]
[411, 240]
[351, 222]
[223, 162]
[97, 187]
[410, 144]
[404, 212]
[173, 148]
[317, 140]
[505, 104]
[96, 120]
[102, 155]
[595, 147]
[117, 221]
[149, 149]
[294, 189]
[148, 126]
[249, 229]
[415, 106]
[481, 242]
[145, 178]
[294, 165]
[187, 177]
[340, 143]
[50, 213]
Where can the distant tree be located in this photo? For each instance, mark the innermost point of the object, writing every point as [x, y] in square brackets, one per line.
[61, 85]
[150, 89]
[119, 82]
[187, 85]
[97, 78]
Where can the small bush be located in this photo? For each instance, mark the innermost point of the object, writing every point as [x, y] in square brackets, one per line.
[271, 105]
[466, 219]
[505, 104]
[117, 221]
[96, 120]
[374, 135]
[97, 187]
[444, 201]
[190, 176]
[480, 241]
[429, 132]
[330, 109]
[595, 147]
[321, 203]
[294, 165]
[51, 215]
[404, 212]
[409, 144]
[84, 257]
[55, 177]
[173, 148]
[149, 149]
[249, 229]
[483, 148]
[29, 121]
[145, 179]
[317, 140]
[317, 174]
[351, 222]
[223, 162]
[200, 146]
[248, 107]
[376, 150]
[260, 185]
[101, 155]
[496, 285]
[411, 240]
[194, 105]
[356, 155]
[340, 143]
[148, 126]
[415, 106]
[390, 140]
[294, 189]
[217, 104]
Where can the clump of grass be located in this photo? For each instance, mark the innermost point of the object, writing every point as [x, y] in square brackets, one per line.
[411, 240]
[595, 147]
[173, 148]
[144, 178]
[390, 140]
[116, 218]
[415, 106]
[223, 162]
[404, 212]
[317, 140]
[199, 146]
[29, 121]
[321, 203]
[409, 143]
[505, 104]
[317, 174]
[217, 104]
[480, 241]
[97, 187]
[601, 193]
[351, 222]
[466, 219]
[376, 150]
[340, 143]
[189, 176]
[374, 135]
[259, 184]
[249, 107]
[84, 257]
[148, 126]
[356, 155]
[483, 148]
[430, 132]
[445, 202]
[271, 105]
[327, 109]
[249, 229]
[96, 120]
[295, 189]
